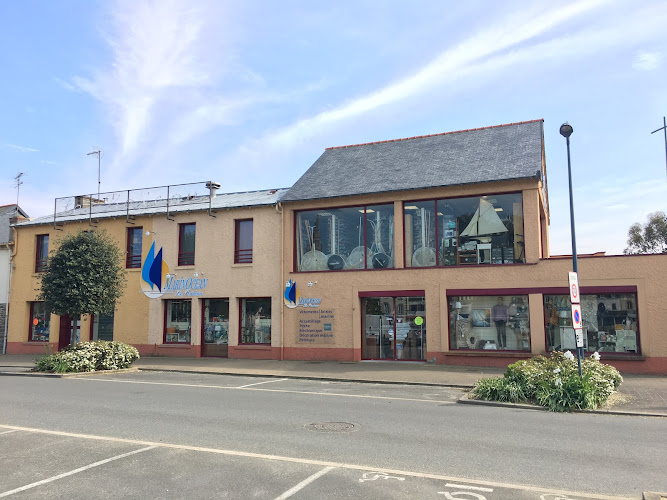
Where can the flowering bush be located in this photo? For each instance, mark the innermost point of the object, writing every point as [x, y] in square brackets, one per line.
[89, 357]
[553, 382]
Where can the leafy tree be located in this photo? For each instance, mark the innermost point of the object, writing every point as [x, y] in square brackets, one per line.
[650, 238]
[84, 275]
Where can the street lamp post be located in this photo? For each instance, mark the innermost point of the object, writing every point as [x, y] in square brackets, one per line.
[566, 131]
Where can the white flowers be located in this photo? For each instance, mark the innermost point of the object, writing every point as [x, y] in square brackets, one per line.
[557, 370]
[569, 355]
[558, 382]
[595, 356]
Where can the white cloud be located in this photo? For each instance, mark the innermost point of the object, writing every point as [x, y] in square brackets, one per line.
[647, 61]
[20, 149]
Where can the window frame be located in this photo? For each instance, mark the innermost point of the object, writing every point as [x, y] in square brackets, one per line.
[94, 317]
[243, 255]
[184, 257]
[47, 314]
[133, 261]
[240, 304]
[41, 263]
[435, 201]
[166, 303]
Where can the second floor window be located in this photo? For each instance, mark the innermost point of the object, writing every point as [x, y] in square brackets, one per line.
[42, 254]
[134, 238]
[186, 244]
[243, 242]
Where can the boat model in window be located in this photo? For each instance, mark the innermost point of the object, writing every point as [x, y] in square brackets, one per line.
[484, 223]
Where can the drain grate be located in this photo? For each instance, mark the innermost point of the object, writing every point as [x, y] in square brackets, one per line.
[332, 427]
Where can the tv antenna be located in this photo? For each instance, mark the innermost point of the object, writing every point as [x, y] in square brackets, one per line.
[664, 128]
[97, 152]
[18, 182]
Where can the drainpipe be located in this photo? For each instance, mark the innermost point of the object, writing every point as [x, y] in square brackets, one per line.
[279, 209]
[12, 253]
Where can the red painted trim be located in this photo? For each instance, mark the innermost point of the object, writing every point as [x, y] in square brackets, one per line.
[183, 257]
[41, 260]
[242, 255]
[320, 354]
[203, 319]
[164, 324]
[394, 293]
[242, 352]
[241, 299]
[133, 261]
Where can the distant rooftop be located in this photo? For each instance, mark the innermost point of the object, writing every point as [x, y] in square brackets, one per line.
[498, 153]
[6, 213]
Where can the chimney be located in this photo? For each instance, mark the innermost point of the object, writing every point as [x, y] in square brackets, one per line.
[212, 187]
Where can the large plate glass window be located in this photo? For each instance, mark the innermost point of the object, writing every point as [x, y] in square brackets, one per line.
[609, 322]
[40, 320]
[216, 327]
[102, 327]
[345, 238]
[394, 328]
[255, 327]
[489, 322]
[178, 321]
[460, 231]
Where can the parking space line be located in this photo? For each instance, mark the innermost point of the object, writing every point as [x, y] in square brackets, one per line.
[304, 483]
[259, 383]
[466, 487]
[72, 472]
[7, 432]
[246, 388]
[307, 461]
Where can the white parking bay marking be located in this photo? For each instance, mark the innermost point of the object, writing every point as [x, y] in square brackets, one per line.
[75, 471]
[304, 483]
[466, 487]
[259, 383]
[8, 432]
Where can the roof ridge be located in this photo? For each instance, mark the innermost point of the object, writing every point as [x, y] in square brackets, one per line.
[435, 135]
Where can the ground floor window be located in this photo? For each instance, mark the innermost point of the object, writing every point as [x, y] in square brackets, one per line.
[609, 322]
[39, 322]
[216, 321]
[178, 320]
[102, 327]
[394, 327]
[489, 322]
[255, 327]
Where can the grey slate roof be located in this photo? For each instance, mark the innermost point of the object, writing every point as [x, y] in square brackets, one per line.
[503, 152]
[152, 207]
[7, 212]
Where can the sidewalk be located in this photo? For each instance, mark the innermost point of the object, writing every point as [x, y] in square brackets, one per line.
[641, 394]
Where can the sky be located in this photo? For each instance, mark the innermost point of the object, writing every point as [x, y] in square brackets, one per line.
[249, 94]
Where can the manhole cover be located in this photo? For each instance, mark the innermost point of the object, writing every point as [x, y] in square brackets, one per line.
[332, 427]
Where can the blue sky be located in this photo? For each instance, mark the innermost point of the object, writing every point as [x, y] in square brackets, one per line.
[251, 93]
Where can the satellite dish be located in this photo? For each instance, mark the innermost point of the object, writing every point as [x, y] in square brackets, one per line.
[358, 257]
[314, 260]
[423, 257]
[335, 262]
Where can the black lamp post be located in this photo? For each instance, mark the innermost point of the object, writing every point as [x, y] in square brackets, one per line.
[566, 131]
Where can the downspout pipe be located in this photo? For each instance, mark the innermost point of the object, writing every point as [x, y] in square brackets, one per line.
[279, 209]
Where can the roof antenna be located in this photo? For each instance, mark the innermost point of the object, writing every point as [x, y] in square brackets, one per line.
[97, 152]
[18, 182]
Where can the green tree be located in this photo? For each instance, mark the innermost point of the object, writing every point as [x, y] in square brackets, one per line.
[84, 275]
[649, 238]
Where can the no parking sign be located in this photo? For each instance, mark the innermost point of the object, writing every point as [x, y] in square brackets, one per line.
[576, 317]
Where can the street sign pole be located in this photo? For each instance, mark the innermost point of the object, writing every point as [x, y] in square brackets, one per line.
[577, 319]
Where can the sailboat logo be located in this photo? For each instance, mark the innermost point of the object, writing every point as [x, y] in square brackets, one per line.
[154, 274]
[292, 295]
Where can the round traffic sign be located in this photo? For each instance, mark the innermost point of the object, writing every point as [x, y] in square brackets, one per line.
[575, 291]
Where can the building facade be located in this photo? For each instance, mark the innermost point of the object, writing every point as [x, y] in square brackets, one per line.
[432, 248]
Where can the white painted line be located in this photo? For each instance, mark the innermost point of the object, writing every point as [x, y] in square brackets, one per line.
[259, 389]
[306, 461]
[75, 471]
[259, 383]
[466, 487]
[304, 483]
[8, 432]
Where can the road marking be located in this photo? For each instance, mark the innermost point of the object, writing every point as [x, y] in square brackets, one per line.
[72, 472]
[304, 483]
[466, 487]
[8, 432]
[259, 389]
[259, 383]
[306, 461]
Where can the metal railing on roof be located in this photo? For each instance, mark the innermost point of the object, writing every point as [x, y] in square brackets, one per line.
[131, 202]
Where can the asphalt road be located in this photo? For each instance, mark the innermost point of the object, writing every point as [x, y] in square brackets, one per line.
[173, 435]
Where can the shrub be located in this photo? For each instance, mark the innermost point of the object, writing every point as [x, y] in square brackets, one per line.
[553, 382]
[88, 357]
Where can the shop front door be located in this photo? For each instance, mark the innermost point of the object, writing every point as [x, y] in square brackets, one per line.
[394, 328]
[65, 331]
[215, 328]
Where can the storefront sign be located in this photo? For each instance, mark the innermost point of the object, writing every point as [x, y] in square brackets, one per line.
[316, 326]
[293, 298]
[156, 280]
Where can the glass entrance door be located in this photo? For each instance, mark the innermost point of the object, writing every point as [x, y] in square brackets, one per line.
[394, 328]
[215, 327]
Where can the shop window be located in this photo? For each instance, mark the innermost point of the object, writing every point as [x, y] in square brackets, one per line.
[177, 321]
[216, 321]
[39, 322]
[243, 242]
[101, 327]
[134, 244]
[489, 322]
[255, 317]
[42, 254]
[394, 328]
[461, 231]
[186, 244]
[609, 323]
[345, 238]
